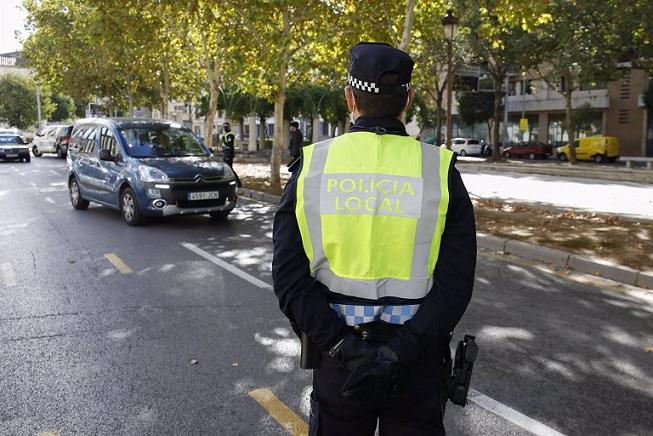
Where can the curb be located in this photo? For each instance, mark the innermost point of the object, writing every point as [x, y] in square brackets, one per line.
[587, 265]
[259, 196]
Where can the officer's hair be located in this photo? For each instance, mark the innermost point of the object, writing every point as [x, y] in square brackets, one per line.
[381, 105]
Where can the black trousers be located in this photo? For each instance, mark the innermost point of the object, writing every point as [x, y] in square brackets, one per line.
[416, 409]
[229, 160]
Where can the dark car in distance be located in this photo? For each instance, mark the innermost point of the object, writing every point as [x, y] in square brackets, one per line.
[146, 168]
[531, 150]
[12, 147]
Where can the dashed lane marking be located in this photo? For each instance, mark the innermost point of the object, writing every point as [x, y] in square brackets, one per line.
[510, 414]
[118, 263]
[49, 200]
[279, 411]
[7, 274]
[48, 433]
[225, 265]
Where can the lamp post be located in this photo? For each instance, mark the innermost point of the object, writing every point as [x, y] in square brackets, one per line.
[449, 23]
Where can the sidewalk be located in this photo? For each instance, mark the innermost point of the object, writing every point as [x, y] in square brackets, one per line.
[626, 199]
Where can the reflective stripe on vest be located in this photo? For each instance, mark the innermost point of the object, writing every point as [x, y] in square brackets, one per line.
[371, 211]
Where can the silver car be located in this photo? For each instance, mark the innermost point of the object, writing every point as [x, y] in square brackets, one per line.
[45, 141]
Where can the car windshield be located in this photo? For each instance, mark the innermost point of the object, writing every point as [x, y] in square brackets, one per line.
[161, 141]
[10, 140]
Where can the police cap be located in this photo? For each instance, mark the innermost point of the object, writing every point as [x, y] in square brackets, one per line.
[368, 61]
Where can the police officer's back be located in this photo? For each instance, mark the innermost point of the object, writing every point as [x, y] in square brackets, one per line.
[374, 258]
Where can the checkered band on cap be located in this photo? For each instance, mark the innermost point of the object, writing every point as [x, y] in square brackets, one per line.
[374, 88]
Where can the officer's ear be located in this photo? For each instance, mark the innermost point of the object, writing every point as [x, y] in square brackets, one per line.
[409, 101]
[349, 96]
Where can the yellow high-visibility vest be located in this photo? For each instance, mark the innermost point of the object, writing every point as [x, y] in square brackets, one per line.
[371, 211]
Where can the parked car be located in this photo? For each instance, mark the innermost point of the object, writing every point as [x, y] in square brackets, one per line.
[45, 140]
[466, 146]
[533, 150]
[12, 147]
[596, 148]
[62, 141]
[146, 168]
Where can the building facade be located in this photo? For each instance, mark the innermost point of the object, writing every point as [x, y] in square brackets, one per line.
[613, 109]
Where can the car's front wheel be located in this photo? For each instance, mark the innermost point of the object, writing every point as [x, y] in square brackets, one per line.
[27, 158]
[60, 153]
[531, 156]
[36, 152]
[463, 153]
[562, 157]
[599, 158]
[129, 208]
[220, 215]
[76, 196]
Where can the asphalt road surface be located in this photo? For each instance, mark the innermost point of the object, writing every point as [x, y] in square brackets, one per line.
[172, 328]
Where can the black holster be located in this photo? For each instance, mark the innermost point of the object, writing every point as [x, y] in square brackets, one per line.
[310, 353]
[463, 365]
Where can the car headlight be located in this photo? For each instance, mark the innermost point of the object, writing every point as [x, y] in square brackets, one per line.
[151, 174]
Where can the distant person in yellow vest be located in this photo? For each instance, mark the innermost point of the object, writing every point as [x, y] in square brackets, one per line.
[229, 148]
[374, 260]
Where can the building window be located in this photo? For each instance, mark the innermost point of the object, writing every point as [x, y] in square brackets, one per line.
[623, 116]
[325, 129]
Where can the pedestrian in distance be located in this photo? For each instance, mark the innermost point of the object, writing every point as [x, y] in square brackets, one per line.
[229, 148]
[374, 261]
[296, 141]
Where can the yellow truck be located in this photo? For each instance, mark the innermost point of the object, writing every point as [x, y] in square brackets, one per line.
[596, 148]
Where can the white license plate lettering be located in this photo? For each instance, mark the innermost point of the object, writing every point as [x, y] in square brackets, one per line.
[210, 195]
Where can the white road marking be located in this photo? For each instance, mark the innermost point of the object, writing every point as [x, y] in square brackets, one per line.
[49, 200]
[222, 264]
[7, 274]
[511, 415]
[33, 184]
[37, 164]
[54, 172]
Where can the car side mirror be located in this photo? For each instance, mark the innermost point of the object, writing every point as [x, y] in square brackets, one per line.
[106, 155]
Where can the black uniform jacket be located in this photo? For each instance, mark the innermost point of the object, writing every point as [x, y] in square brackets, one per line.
[305, 301]
[228, 146]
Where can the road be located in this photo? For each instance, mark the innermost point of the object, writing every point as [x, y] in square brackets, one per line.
[112, 330]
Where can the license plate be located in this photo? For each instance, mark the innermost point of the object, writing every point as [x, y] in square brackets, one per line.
[210, 195]
[12, 155]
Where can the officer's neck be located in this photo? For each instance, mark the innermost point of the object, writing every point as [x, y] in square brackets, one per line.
[391, 125]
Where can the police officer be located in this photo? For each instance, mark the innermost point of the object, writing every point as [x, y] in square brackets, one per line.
[229, 148]
[374, 259]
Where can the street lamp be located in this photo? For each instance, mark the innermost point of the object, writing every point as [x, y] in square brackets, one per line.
[449, 24]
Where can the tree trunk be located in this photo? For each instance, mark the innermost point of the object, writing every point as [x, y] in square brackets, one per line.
[130, 98]
[316, 129]
[251, 144]
[277, 142]
[496, 116]
[261, 135]
[165, 93]
[408, 25]
[570, 125]
[214, 93]
[279, 101]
